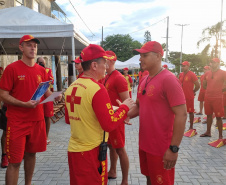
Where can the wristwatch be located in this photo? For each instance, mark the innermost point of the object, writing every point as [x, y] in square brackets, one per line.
[174, 148]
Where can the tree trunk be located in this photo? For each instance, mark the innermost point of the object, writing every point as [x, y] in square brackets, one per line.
[58, 74]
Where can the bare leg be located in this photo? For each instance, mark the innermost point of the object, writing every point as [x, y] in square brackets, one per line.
[124, 162]
[12, 174]
[220, 125]
[201, 106]
[48, 122]
[148, 180]
[113, 161]
[191, 116]
[29, 166]
[3, 138]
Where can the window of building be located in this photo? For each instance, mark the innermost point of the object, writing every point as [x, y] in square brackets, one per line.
[19, 2]
[36, 6]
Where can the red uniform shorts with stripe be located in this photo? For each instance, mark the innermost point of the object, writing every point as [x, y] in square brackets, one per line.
[130, 94]
[201, 96]
[214, 106]
[224, 100]
[23, 137]
[117, 137]
[48, 109]
[190, 105]
[83, 168]
[152, 166]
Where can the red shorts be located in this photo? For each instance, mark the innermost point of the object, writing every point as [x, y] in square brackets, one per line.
[48, 109]
[23, 137]
[83, 168]
[130, 94]
[201, 96]
[214, 106]
[190, 105]
[117, 137]
[153, 167]
[224, 100]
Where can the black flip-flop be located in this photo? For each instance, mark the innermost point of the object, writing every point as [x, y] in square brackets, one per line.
[112, 177]
[204, 135]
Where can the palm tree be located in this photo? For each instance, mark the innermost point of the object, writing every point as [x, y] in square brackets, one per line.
[211, 33]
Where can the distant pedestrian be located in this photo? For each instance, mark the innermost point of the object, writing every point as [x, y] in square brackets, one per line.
[129, 80]
[78, 67]
[165, 66]
[190, 85]
[213, 82]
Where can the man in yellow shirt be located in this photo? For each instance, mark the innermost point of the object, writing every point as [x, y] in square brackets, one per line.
[129, 80]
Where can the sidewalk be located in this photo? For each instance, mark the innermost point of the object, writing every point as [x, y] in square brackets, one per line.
[198, 163]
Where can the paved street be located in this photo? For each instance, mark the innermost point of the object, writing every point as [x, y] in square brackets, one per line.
[198, 162]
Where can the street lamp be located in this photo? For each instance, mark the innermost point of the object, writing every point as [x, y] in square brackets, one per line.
[182, 25]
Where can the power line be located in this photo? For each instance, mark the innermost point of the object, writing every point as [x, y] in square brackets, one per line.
[80, 17]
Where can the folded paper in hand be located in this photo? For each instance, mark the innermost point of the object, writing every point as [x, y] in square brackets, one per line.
[41, 90]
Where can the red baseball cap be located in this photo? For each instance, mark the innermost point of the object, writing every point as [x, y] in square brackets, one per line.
[216, 60]
[151, 46]
[126, 69]
[206, 67]
[185, 63]
[77, 60]
[93, 51]
[26, 38]
[112, 54]
[165, 66]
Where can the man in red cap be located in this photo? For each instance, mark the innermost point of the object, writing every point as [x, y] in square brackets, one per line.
[129, 80]
[213, 83]
[188, 80]
[161, 108]
[117, 88]
[26, 132]
[165, 66]
[78, 67]
[202, 91]
[48, 107]
[90, 114]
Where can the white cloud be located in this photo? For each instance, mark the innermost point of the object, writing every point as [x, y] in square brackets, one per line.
[123, 18]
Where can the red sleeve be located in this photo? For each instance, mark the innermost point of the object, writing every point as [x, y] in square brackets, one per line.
[7, 79]
[104, 112]
[66, 116]
[173, 91]
[121, 84]
[194, 77]
[130, 79]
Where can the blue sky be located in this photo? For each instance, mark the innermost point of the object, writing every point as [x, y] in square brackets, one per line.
[130, 16]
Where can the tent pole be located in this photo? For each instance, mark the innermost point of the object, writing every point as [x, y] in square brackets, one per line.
[73, 57]
[54, 72]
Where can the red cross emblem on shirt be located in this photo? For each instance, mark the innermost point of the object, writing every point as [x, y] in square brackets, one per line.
[73, 99]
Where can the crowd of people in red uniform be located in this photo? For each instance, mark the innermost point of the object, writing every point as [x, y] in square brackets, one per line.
[97, 107]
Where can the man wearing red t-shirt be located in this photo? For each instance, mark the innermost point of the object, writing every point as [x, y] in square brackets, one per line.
[90, 114]
[188, 80]
[202, 91]
[142, 74]
[78, 67]
[162, 112]
[129, 80]
[117, 88]
[213, 83]
[48, 107]
[26, 133]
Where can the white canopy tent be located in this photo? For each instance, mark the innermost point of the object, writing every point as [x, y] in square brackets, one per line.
[134, 63]
[56, 37]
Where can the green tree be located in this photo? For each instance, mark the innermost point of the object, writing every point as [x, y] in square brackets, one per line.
[213, 33]
[122, 45]
[147, 36]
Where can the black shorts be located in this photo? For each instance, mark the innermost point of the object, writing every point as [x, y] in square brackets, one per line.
[3, 118]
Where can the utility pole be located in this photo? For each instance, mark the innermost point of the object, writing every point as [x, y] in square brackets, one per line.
[221, 28]
[182, 25]
[102, 36]
[167, 36]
